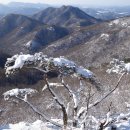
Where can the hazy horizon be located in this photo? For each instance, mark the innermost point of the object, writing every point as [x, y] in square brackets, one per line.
[74, 2]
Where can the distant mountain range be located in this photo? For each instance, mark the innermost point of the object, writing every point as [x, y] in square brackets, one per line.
[104, 13]
[33, 5]
[21, 8]
[19, 32]
[67, 16]
[31, 34]
[108, 13]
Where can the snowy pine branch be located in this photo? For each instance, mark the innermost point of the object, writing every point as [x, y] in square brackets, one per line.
[46, 64]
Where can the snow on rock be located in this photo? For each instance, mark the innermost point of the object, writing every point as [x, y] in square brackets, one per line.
[127, 104]
[51, 28]
[123, 24]
[115, 22]
[84, 72]
[119, 67]
[16, 92]
[118, 22]
[124, 125]
[28, 44]
[127, 66]
[32, 44]
[105, 37]
[62, 61]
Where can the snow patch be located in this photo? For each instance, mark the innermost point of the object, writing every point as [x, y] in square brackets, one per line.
[84, 72]
[37, 125]
[51, 28]
[62, 61]
[28, 44]
[127, 66]
[118, 22]
[105, 37]
[124, 125]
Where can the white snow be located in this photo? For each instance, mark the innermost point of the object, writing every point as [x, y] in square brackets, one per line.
[118, 67]
[76, 100]
[127, 104]
[124, 125]
[28, 44]
[51, 28]
[114, 22]
[127, 66]
[79, 70]
[15, 92]
[19, 62]
[84, 72]
[53, 85]
[123, 24]
[103, 11]
[118, 22]
[62, 61]
[123, 13]
[105, 37]
[37, 125]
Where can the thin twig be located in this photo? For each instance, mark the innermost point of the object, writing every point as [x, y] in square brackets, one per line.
[100, 100]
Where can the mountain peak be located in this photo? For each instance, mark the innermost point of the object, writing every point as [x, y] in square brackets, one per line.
[67, 16]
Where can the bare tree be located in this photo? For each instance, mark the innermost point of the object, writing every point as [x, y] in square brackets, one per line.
[65, 68]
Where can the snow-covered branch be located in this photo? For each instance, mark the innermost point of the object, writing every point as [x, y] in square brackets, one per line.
[57, 99]
[84, 110]
[21, 94]
[46, 64]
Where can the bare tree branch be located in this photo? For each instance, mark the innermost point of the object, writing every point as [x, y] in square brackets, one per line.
[104, 97]
[39, 113]
[65, 116]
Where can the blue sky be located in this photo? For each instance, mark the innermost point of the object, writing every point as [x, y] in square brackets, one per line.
[77, 2]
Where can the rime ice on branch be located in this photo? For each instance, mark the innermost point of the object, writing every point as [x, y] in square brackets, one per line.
[46, 64]
[19, 92]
